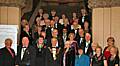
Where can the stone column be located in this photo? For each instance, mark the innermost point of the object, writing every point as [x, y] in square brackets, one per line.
[12, 10]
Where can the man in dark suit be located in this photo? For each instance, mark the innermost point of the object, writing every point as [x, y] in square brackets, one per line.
[7, 54]
[26, 54]
[57, 24]
[87, 49]
[52, 14]
[55, 34]
[80, 37]
[84, 17]
[53, 54]
[64, 35]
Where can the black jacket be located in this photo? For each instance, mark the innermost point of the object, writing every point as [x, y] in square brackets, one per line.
[6, 58]
[28, 57]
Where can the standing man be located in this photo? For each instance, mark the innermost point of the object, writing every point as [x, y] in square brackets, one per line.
[53, 55]
[86, 46]
[7, 54]
[26, 54]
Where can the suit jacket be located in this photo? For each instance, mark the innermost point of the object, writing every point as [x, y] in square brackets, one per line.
[49, 57]
[63, 39]
[89, 50]
[28, 57]
[6, 58]
[59, 38]
[83, 60]
[73, 31]
[79, 41]
[68, 28]
[86, 18]
[58, 26]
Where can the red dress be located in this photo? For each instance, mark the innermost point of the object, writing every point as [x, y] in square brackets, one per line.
[106, 53]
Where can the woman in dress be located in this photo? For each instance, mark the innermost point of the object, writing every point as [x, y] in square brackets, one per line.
[110, 43]
[98, 59]
[73, 42]
[68, 55]
[113, 60]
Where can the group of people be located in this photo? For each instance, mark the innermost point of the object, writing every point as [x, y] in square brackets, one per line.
[54, 41]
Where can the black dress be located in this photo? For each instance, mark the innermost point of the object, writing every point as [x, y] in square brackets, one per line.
[40, 56]
[98, 61]
[68, 59]
[112, 62]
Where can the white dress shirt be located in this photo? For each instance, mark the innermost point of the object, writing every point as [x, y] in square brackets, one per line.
[87, 45]
[22, 52]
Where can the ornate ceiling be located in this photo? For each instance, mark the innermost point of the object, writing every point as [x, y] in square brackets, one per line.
[103, 3]
[26, 5]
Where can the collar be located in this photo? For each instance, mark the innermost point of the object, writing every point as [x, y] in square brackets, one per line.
[88, 42]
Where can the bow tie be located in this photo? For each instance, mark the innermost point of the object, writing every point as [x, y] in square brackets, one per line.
[54, 47]
[23, 47]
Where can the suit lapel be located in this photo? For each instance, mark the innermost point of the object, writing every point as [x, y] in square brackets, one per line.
[26, 53]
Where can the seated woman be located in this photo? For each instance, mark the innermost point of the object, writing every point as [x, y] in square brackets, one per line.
[98, 59]
[113, 60]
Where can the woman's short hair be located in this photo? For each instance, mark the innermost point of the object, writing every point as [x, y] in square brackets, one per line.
[99, 48]
[116, 50]
[8, 39]
[71, 34]
[111, 38]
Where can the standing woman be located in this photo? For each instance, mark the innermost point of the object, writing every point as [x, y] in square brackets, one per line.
[68, 55]
[40, 52]
[98, 59]
[7, 54]
[81, 59]
[73, 42]
[110, 43]
[113, 60]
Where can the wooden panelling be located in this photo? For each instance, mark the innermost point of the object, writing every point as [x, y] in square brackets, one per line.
[3, 15]
[13, 15]
[9, 15]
